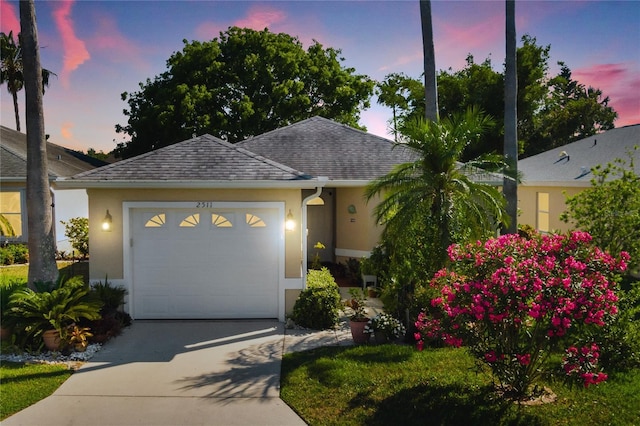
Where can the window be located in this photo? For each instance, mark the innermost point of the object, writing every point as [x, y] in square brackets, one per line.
[543, 212]
[254, 221]
[220, 221]
[11, 214]
[156, 221]
[190, 221]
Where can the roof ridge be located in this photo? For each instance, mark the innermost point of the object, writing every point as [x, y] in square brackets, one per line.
[268, 161]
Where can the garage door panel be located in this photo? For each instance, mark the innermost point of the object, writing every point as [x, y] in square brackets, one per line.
[217, 263]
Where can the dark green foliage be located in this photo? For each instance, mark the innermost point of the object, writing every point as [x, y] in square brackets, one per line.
[242, 84]
[620, 339]
[112, 297]
[32, 312]
[6, 290]
[14, 253]
[552, 110]
[318, 305]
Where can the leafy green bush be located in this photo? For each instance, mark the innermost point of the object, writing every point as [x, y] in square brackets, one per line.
[6, 290]
[14, 253]
[620, 339]
[318, 305]
[110, 296]
[32, 313]
[77, 230]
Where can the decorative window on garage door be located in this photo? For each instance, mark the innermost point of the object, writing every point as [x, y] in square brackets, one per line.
[156, 221]
[190, 221]
[220, 221]
[255, 221]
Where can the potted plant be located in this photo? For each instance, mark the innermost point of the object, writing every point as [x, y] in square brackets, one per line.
[368, 272]
[358, 319]
[49, 314]
[385, 328]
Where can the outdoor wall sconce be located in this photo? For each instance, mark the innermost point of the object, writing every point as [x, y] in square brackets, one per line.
[106, 222]
[289, 224]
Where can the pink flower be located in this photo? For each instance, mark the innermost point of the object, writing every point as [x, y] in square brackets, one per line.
[524, 359]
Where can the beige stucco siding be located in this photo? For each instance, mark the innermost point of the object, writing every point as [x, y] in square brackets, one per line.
[106, 248]
[528, 205]
[357, 231]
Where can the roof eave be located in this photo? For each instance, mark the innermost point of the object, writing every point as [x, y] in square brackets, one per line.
[190, 184]
[565, 184]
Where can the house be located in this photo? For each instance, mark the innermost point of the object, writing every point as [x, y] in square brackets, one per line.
[549, 177]
[197, 229]
[62, 162]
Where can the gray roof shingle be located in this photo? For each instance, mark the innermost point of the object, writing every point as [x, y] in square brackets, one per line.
[574, 168]
[62, 162]
[322, 147]
[203, 158]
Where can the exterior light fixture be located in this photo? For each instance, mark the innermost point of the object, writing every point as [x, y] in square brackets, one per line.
[106, 222]
[290, 224]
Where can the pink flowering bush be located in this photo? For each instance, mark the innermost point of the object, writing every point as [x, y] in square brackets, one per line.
[514, 300]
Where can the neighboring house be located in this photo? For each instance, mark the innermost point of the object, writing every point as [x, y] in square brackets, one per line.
[198, 228]
[549, 177]
[62, 162]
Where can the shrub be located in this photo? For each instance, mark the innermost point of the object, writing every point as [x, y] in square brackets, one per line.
[77, 230]
[35, 312]
[14, 253]
[513, 300]
[318, 306]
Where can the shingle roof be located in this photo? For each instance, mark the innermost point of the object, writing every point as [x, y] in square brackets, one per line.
[204, 158]
[572, 163]
[62, 162]
[322, 147]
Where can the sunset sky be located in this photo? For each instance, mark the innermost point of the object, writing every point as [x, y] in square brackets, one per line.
[100, 49]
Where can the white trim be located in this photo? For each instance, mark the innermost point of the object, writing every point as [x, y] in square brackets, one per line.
[128, 206]
[567, 184]
[352, 253]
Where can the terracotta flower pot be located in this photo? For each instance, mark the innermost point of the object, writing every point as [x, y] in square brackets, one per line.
[51, 340]
[381, 337]
[5, 333]
[357, 331]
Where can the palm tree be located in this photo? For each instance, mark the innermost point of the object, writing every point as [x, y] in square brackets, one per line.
[435, 195]
[11, 70]
[510, 187]
[430, 82]
[42, 261]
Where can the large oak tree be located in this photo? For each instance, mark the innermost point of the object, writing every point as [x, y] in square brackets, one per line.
[241, 84]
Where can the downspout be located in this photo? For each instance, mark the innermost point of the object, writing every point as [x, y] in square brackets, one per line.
[323, 179]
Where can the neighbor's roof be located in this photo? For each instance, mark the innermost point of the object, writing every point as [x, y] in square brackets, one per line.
[62, 162]
[570, 165]
[322, 147]
[200, 159]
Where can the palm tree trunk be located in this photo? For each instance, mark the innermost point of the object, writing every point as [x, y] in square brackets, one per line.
[510, 188]
[430, 82]
[14, 95]
[42, 262]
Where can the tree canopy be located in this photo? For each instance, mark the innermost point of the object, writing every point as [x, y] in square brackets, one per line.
[241, 84]
[552, 111]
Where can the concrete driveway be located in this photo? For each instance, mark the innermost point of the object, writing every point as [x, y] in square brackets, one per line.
[179, 373]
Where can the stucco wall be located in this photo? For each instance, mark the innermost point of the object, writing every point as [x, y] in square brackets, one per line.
[527, 205]
[356, 233]
[106, 248]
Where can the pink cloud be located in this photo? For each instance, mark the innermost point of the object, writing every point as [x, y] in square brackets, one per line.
[66, 130]
[258, 18]
[620, 83]
[9, 19]
[109, 39]
[75, 51]
[261, 17]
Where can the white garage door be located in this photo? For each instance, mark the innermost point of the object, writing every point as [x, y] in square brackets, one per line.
[205, 263]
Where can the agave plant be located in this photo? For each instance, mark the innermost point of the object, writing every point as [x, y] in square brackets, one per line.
[36, 312]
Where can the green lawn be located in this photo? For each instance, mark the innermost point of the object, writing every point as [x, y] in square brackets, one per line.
[393, 384]
[24, 385]
[20, 272]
